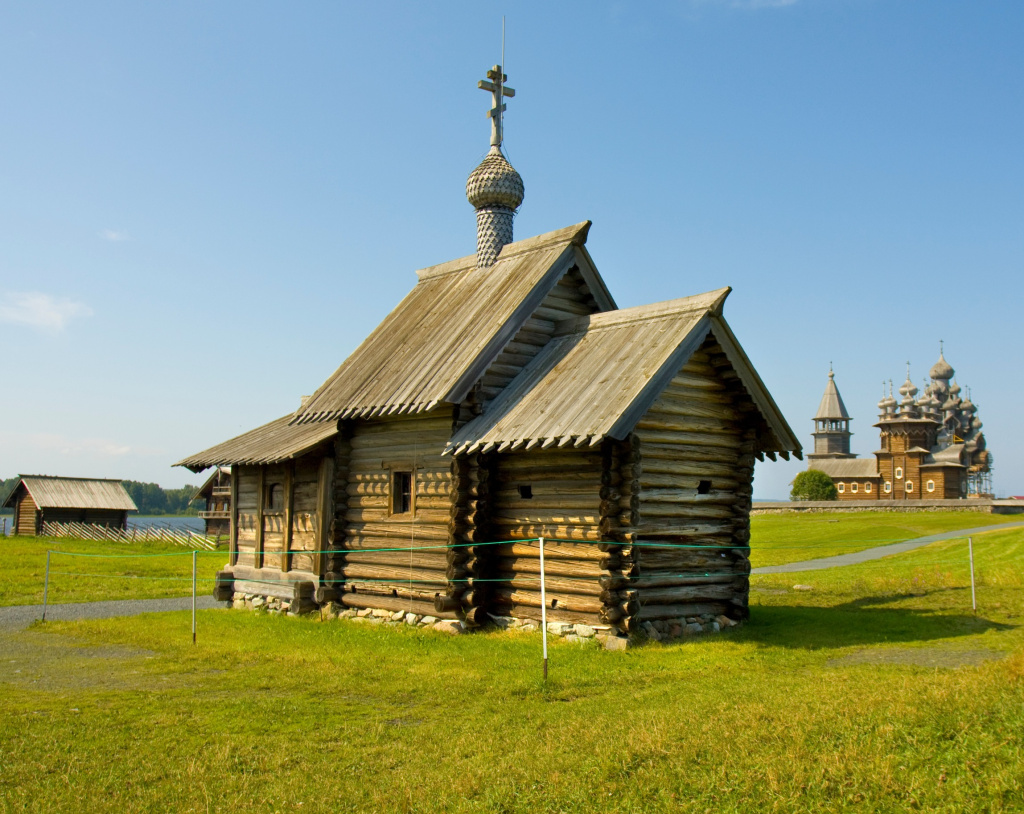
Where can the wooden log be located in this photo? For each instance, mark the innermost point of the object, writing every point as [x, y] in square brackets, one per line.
[590, 569]
[509, 530]
[654, 426]
[564, 602]
[424, 516]
[551, 459]
[386, 534]
[582, 552]
[671, 439]
[420, 578]
[654, 511]
[646, 612]
[662, 457]
[574, 585]
[709, 406]
[683, 594]
[423, 607]
[687, 528]
[530, 516]
[418, 559]
[532, 614]
[689, 482]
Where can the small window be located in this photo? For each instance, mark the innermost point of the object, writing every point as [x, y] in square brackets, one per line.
[853, 487]
[909, 486]
[401, 492]
[525, 491]
[841, 487]
[275, 497]
[930, 486]
[704, 487]
[867, 488]
[887, 487]
[899, 472]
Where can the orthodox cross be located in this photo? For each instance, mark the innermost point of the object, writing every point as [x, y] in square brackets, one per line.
[497, 88]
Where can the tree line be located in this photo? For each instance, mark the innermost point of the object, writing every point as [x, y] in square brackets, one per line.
[151, 498]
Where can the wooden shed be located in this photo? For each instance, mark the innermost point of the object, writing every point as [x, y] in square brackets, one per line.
[38, 500]
[506, 398]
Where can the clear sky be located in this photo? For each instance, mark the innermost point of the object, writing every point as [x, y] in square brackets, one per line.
[205, 206]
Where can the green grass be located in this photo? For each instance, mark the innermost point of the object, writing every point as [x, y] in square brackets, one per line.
[794, 537]
[828, 700]
[135, 573]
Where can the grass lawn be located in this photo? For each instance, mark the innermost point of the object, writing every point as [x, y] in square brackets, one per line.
[878, 690]
[134, 573]
[782, 538]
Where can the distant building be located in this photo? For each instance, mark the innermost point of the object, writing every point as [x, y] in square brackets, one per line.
[931, 447]
[217, 494]
[41, 500]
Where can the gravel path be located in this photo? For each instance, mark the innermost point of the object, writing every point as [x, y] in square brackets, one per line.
[17, 617]
[876, 553]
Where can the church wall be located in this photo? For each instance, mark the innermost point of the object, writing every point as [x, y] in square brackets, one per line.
[555, 494]
[858, 488]
[391, 460]
[696, 446]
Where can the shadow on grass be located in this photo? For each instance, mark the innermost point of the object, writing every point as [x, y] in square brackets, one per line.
[857, 623]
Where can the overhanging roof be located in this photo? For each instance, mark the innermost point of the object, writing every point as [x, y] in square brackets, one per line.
[441, 338]
[52, 492]
[600, 374]
[272, 443]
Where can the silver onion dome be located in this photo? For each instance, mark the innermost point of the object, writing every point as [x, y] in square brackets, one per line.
[495, 182]
[941, 370]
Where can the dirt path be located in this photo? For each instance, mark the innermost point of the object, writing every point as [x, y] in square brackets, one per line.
[17, 617]
[877, 552]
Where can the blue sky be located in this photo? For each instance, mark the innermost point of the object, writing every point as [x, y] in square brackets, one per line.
[204, 207]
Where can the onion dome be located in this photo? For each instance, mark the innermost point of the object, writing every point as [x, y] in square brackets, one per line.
[908, 389]
[968, 406]
[954, 389]
[941, 369]
[495, 182]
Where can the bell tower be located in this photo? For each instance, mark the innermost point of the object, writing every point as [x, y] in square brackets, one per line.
[831, 425]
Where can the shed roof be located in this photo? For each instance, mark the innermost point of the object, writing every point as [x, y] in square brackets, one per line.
[54, 492]
[440, 339]
[831, 406]
[847, 467]
[600, 374]
[272, 443]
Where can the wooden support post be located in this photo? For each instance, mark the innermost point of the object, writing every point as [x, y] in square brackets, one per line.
[286, 551]
[233, 519]
[257, 554]
[324, 489]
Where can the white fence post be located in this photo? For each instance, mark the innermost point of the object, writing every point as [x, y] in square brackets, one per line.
[543, 611]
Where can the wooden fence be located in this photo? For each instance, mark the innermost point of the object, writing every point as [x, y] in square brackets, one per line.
[87, 531]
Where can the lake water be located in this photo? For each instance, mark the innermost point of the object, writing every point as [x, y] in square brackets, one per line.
[142, 521]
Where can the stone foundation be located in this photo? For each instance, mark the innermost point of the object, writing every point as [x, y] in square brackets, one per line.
[607, 637]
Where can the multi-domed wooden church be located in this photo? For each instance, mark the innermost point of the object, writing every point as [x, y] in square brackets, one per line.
[505, 399]
[931, 447]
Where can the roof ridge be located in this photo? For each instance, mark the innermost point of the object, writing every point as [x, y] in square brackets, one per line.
[709, 301]
[577, 233]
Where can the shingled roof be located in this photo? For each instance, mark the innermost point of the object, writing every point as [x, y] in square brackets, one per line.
[831, 406]
[54, 492]
[441, 338]
[600, 374]
[271, 443]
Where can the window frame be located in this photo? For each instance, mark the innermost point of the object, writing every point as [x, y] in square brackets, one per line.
[395, 472]
[929, 486]
[867, 487]
[854, 487]
[908, 486]
[898, 473]
[841, 487]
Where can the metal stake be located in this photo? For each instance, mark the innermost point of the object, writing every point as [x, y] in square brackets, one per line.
[970, 552]
[194, 596]
[543, 611]
[46, 583]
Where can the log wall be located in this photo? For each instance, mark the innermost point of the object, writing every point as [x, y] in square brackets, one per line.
[25, 514]
[565, 505]
[697, 445]
[283, 538]
[362, 574]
